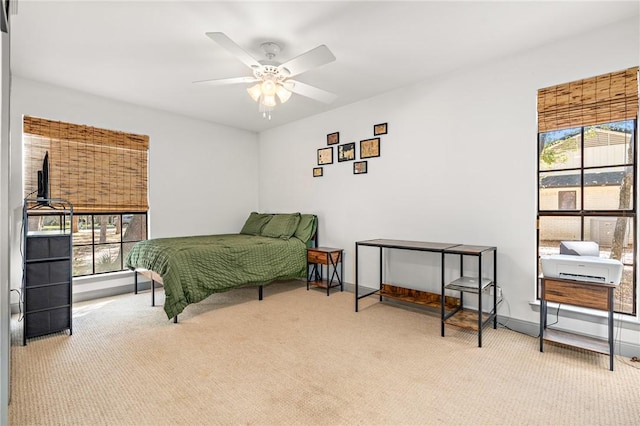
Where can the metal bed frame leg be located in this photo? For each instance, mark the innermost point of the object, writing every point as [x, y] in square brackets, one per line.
[135, 282]
[260, 293]
[175, 319]
[153, 292]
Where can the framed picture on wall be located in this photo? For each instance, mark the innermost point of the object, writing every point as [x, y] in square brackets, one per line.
[359, 167]
[333, 138]
[380, 129]
[347, 152]
[317, 171]
[325, 156]
[370, 148]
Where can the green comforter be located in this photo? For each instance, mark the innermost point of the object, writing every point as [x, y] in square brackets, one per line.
[193, 268]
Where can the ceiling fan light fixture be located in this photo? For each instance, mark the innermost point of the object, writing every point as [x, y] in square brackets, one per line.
[283, 94]
[255, 92]
[268, 101]
[269, 88]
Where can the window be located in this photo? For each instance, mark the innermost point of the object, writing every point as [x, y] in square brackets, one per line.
[103, 173]
[587, 170]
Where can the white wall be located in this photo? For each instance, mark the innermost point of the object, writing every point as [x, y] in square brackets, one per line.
[202, 176]
[458, 164]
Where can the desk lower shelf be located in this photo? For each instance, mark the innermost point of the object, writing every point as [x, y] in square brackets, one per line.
[418, 297]
[468, 319]
[571, 339]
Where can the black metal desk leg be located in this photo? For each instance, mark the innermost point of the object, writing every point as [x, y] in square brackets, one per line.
[356, 285]
[480, 301]
[380, 288]
[442, 296]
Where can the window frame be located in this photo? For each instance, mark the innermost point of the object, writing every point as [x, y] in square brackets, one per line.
[121, 242]
[585, 214]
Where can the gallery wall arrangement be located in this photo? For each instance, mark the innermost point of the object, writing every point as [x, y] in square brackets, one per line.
[369, 148]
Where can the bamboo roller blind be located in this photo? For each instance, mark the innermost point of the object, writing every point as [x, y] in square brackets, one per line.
[97, 170]
[597, 100]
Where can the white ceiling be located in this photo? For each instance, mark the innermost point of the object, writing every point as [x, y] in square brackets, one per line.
[149, 52]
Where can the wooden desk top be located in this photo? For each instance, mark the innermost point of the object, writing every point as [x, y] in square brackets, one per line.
[407, 245]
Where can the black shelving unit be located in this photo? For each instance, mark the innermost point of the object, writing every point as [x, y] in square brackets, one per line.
[47, 267]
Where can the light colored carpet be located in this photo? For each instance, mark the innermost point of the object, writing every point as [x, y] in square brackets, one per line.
[300, 357]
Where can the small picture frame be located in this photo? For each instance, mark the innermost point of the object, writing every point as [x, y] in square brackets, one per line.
[347, 152]
[325, 156]
[317, 171]
[370, 148]
[380, 129]
[333, 138]
[359, 167]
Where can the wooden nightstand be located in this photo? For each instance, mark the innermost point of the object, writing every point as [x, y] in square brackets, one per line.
[330, 257]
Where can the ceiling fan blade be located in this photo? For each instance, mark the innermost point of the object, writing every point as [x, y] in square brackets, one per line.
[313, 58]
[310, 91]
[225, 81]
[234, 49]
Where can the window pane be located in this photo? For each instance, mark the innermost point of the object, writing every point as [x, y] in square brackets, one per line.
[106, 228]
[82, 260]
[48, 222]
[82, 230]
[134, 227]
[611, 232]
[560, 149]
[608, 188]
[623, 296]
[108, 258]
[560, 190]
[554, 229]
[608, 144]
[126, 249]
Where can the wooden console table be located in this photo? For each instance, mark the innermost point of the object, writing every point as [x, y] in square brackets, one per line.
[578, 293]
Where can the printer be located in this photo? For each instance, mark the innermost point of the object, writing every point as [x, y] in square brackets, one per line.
[582, 268]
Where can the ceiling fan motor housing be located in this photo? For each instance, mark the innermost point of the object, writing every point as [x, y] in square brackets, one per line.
[271, 72]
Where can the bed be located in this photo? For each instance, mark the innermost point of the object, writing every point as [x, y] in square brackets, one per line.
[269, 247]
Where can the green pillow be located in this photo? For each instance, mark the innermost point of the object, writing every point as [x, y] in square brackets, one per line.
[306, 228]
[282, 225]
[255, 222]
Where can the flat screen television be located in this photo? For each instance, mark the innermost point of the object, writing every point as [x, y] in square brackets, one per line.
[43, 178]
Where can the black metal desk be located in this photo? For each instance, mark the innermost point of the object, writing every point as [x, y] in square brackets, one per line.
[383, 290]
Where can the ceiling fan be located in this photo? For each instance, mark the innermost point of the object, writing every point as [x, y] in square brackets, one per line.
[273, 79]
